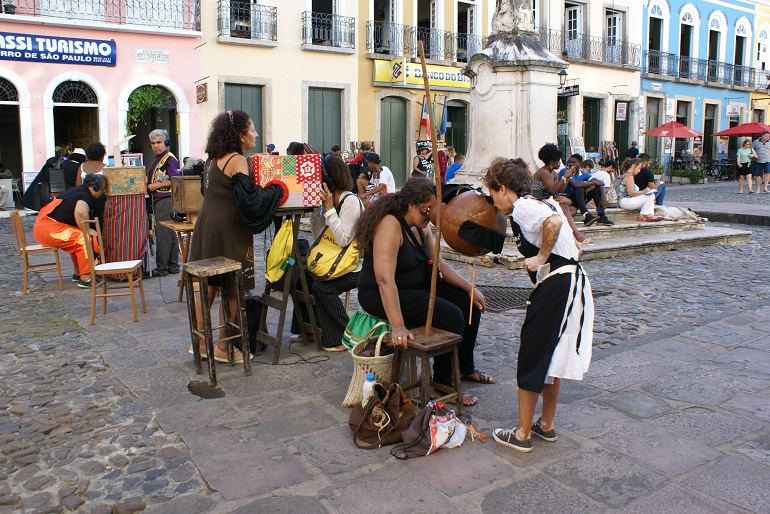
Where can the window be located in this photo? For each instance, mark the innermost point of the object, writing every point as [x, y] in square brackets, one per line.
[573, 30]
[8, 92]
[72, 92]
[613, 36]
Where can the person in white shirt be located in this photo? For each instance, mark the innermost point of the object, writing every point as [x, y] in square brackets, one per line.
[381, 182]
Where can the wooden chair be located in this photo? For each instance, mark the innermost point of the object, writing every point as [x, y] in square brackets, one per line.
[130, 268]
[26, 250]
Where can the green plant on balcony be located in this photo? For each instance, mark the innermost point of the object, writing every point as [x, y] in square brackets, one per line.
[9, 7]
[142, 100]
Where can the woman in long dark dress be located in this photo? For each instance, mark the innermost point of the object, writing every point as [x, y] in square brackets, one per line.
[220, 230]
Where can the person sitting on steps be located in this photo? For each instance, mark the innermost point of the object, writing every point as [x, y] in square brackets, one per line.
[630, 197]
[583, 187]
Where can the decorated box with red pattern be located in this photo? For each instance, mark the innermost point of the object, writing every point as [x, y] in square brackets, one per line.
[300, 173]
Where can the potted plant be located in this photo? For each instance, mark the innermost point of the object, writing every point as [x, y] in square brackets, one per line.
[9, 7]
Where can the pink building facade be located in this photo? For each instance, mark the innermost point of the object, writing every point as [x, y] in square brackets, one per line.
[65, 77]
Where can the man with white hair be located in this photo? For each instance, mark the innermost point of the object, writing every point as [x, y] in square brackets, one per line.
[162, 169]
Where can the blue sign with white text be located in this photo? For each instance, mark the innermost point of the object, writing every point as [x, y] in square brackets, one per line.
[62, 50]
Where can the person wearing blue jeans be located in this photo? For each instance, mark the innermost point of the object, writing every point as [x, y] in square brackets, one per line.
[645, 178]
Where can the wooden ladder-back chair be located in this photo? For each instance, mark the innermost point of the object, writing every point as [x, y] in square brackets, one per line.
[26, 250]
[103, 268]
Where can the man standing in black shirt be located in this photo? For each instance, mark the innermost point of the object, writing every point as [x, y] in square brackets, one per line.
[633, 152]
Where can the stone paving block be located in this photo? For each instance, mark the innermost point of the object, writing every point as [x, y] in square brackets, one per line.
[695, 392]
[575, 390]
[754, 406]
[219, 452]
[736, 481]
[189, 417]
[636, 403]
[459, 470]
[300, 419]
[391, 490]
[188, 504]
[764, 326]
[538, 493]
[741, 319]
[625, 369]
[676, 349]
[747, 358]
[726, 375]
[607, 477]
[757, 450]
[333, 451]
[674, 498]
[644, 441]
[722, 334]
[283, 505]
[496, 401]
[707, 426]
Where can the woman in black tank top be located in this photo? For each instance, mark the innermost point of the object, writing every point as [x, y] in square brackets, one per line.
[394, 283]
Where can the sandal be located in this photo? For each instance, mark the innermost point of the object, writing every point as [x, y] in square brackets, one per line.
[203, 352]
[221, 355]
[483, 378]
[340, 348]
[468, 400]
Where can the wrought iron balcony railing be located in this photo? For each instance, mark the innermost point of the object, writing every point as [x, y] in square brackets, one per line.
[168, 14]
[328, 30]
[598, 49]
[247, 21]
[684, 67]
[383, 37]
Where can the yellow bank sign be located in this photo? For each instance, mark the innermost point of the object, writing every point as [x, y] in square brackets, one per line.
[402, 73]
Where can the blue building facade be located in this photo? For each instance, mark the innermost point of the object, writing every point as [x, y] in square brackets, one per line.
[697, 70]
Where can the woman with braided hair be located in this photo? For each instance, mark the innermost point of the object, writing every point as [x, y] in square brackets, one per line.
[394, 283]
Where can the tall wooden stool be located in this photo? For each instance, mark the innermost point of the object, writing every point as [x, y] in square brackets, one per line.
[203, 270]
[438, 343]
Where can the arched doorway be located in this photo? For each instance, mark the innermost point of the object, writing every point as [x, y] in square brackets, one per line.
[392, 145]
[457, 125]
[75, 114]
[150, 108]
[10, 127]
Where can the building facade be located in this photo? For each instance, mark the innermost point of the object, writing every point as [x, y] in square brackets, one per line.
[67, 70]
[700, 69]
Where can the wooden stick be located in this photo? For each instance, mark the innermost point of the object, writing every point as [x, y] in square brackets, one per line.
[473, 287]
[437, 180]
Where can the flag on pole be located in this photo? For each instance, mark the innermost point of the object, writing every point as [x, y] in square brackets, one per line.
[425, 121]
[442, 130]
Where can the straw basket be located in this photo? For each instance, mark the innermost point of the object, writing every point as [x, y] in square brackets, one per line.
[380, 365]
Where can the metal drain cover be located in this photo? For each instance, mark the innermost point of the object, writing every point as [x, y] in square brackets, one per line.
[503, 298]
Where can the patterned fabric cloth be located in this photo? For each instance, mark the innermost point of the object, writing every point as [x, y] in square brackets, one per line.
[125, 230]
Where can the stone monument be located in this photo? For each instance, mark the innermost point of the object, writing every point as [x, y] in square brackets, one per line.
[514, 85]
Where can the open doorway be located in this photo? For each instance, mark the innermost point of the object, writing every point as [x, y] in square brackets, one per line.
[150, 108]
[75, 115]
[10, 128]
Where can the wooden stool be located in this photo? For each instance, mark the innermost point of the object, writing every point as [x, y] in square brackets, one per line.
[438, 343]
[203, 270]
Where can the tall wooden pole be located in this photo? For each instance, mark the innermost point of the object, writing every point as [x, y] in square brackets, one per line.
[437, 179]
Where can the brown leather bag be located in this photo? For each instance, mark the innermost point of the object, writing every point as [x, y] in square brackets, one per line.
[387, 414]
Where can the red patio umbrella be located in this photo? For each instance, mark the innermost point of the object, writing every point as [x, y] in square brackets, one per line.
[752, 129]
[673, 129]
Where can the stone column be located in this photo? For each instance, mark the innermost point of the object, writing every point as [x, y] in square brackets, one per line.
[514, 83]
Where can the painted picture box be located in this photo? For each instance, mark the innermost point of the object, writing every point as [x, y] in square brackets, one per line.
[300, 173]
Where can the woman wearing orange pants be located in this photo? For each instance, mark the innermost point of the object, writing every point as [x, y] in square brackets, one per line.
[58, 223]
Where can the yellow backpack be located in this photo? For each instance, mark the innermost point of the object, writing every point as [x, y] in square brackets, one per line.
[279, 257]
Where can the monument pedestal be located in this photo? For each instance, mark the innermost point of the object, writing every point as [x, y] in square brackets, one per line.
[513, 104]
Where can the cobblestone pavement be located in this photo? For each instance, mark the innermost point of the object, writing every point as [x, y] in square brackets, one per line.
[718, 192]
[672, 416]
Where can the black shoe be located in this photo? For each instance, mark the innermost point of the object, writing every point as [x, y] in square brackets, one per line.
[76, 278]
[158, 273]
[604, 220]
[146, 275]
[87, 283]
[174, 272]
[589, 219]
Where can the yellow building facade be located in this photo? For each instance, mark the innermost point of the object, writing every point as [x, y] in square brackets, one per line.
[760, 101]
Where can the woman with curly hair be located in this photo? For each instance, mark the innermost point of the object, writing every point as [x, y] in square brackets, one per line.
[545, 184]
[557, 332]
[394, 284]
[220, 229]
[341, 212]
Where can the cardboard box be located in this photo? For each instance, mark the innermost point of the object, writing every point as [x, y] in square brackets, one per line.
[126, 180]
[300, 173]
[186, 194]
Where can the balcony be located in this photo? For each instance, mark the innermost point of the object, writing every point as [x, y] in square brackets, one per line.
[158, 14]
[402, 40]
[328, 31]
[591, 48]
[691, 68]
[248, 22]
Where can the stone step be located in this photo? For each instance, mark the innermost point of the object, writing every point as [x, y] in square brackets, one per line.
[628, 228]
[621, 246]
[615, 214]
